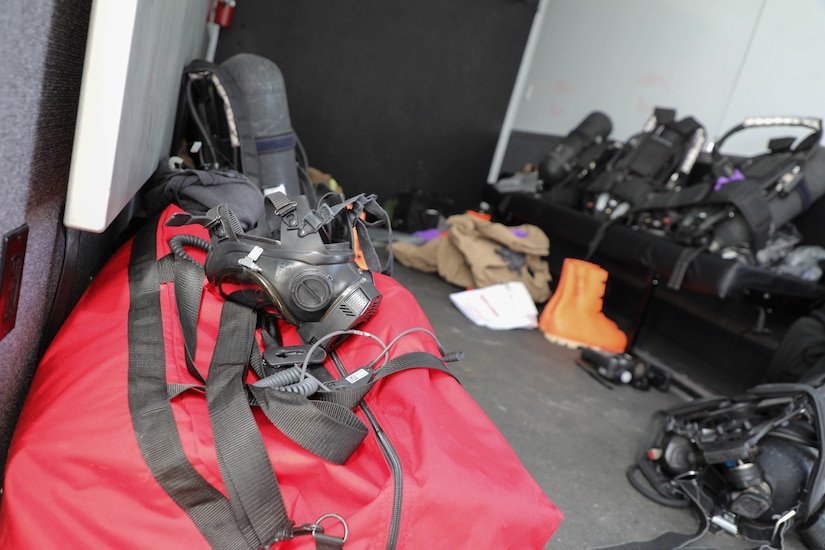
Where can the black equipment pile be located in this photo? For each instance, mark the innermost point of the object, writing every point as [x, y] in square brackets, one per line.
[623, 368]
[751, 465]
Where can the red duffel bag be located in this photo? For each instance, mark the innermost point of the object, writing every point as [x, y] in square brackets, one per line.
[133, 434]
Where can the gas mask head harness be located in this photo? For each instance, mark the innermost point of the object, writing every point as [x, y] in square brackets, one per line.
[292, 272]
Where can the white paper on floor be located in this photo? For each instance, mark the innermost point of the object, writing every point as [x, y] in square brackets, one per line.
[503, 306]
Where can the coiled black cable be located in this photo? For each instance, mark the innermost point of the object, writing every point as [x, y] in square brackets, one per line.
[178, 245]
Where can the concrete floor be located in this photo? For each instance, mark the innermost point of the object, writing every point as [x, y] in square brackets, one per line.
[576, 436]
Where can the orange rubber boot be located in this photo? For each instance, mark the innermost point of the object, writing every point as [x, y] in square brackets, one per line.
[573, 317]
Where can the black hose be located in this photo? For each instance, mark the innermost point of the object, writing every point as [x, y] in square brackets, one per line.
[307, 185]
[193, 112]
[652, 494]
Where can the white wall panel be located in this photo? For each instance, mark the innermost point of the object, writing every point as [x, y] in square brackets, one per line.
[134, 60]
[717, 61]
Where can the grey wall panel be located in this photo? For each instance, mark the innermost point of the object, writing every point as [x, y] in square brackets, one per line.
[43, 42]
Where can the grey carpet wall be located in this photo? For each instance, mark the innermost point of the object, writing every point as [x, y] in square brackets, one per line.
[43, 45]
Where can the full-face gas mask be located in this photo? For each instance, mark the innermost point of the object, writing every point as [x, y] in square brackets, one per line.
[295, 275]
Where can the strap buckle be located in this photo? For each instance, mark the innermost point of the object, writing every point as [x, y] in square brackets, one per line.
[305, 529]
[315, 219]
[325, 213]
[284, 207]
[317, 530]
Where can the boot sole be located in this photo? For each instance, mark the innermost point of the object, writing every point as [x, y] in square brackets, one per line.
[575, 344]
[565, 342]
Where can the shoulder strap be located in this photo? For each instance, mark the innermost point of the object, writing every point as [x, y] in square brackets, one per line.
[151, 411]
[254, 516]
[325, 424]
[254, 494]
[351, 390]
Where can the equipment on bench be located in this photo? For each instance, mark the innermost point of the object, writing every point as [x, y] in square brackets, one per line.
[659, 158]
[745, 200]
[576, 159]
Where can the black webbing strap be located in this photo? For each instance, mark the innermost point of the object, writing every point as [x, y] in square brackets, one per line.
[256, 360]
[255, 516]
[599, 234]
[327, 542]
[369, 204]
[686, 257]
[188, 277]
[411, 360]
[328, 430]
[244, 463]
[326, 425]
[152, 416]
[349, 397]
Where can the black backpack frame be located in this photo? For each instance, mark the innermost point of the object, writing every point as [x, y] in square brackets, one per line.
[660, 158]
[212, 127]
[740, 203]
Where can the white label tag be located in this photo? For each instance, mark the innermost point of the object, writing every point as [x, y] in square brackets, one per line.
[357, 375]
